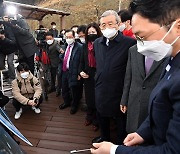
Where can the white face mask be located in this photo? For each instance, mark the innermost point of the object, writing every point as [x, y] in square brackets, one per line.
[109, 32]
[122, 27]
[82, 39]
[24, 75]
[69, 41]
[49, 42]
[54, 26]
[155, 49]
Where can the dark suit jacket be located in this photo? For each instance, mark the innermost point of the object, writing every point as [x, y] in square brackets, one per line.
[25, 41]
[74, 64]
[138, 87]
[110, 71]
[53, 53]
[163, 123]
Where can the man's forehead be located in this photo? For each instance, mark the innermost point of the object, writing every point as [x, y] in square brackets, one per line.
[69, 34]
[140, 24]
[107, 19]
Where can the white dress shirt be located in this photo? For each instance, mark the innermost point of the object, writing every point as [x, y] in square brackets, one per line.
[71, 47]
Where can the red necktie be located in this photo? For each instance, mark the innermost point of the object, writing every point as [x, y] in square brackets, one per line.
[66, 58]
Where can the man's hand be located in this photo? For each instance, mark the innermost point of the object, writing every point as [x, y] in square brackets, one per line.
[84, 75]
[123, 108]
[133, 139]
[32, 103]
[102, 148]
[61, 51]
[2, 36]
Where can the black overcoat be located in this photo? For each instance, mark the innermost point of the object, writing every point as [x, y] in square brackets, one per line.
[111, 63]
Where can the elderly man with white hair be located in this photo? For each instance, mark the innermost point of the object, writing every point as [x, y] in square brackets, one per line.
[111, 53]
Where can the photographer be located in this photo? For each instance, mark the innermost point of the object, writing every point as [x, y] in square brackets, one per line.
[40, 36]
[7, 48]
[53, 50]
[26, 90]
[25, 41]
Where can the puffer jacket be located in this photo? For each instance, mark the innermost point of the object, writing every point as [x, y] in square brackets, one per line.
[27, 90]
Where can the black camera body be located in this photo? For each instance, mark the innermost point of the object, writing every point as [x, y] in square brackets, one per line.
[41, 37]
[40, 34]
[2, 31]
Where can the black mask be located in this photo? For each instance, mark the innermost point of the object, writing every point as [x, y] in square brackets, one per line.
[92, 37]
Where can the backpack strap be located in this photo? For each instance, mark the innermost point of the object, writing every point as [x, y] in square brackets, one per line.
[20, 84]
[32, 83]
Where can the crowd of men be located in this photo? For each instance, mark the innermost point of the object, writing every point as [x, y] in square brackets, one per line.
[117, 62]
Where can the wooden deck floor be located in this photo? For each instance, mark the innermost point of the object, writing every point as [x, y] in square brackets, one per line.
[53, 131]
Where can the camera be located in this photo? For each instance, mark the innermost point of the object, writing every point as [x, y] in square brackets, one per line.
[40, 34]
[2, 31]
[41, 37]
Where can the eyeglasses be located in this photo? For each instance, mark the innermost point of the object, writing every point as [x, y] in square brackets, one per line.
[141, 39]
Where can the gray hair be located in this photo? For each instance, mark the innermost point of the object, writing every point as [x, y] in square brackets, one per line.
[111, 12]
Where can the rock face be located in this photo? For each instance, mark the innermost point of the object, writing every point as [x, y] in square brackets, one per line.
[82, 11]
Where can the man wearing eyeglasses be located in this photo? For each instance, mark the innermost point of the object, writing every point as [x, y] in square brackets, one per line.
[111, 53]
[157, 24]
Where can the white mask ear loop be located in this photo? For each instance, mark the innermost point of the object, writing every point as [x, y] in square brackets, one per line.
[175, 40]
[169, 31]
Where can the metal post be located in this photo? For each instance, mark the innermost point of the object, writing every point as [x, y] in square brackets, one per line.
[120, 2]
[62, 22]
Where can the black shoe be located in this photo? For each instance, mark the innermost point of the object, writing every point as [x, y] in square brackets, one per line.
[97, 139]
[73, 110]
[63, 106]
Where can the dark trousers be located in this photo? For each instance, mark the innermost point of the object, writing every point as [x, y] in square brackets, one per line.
[89, 87]
[59, 83]
[69, 93]
[53, 77]
[18, 105]
[29, 61]
[3, 100]
[104, 123]
[11, 69]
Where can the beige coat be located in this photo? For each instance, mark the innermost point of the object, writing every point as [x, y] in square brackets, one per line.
[27, 91]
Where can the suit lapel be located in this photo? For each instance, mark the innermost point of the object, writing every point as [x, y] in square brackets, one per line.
[154, 67]
[74, 50]
[140, 61]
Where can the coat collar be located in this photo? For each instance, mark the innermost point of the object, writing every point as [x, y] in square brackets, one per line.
[74, 49]
[117, 39]
[154, 66]
[141, 65]
[175, 62]
[27, 80]
[140, 61]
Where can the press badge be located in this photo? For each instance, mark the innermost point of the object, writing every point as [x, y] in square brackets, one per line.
[168, 67]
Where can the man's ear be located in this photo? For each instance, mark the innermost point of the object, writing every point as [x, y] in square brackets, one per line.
[118, 25]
